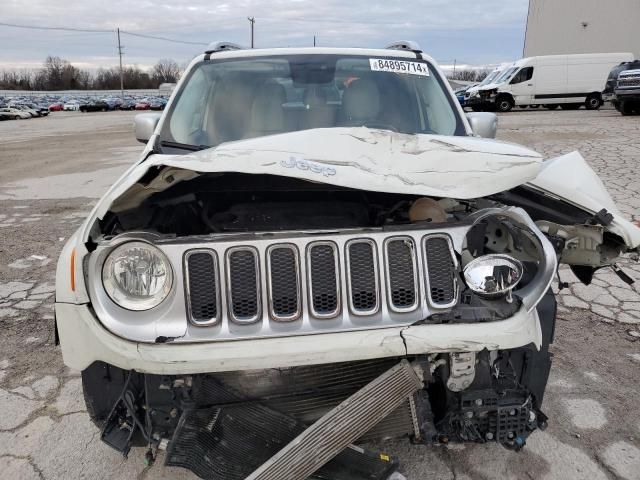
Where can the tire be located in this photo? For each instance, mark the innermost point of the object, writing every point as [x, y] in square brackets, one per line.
[104, 109]
[16, 117]
[522, 106]
[552, 106]
[504, 104]
[593, 102]
[534, 106]
[626, 108]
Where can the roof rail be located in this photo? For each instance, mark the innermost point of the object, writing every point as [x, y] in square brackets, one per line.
[404, 45]
[222, 47]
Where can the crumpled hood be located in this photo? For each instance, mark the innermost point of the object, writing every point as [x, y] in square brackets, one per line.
[457, 167]
[378, 160]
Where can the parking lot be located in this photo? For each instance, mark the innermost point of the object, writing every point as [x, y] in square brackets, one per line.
[53, 169]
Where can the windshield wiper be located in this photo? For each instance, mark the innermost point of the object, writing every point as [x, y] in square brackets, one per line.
[183, 146]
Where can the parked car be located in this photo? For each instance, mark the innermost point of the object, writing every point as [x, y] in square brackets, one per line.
[72, 106]
[42, 110]
[627, 92]
[127, 105]
[568, 81]
[267, 261]
[15, 113]
[56, 107]
[95, 106]
[459, 93]
[143, 105]
[157, 104]
[24, 108]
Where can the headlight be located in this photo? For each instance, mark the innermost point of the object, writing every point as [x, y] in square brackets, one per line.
[493, 275]
[137, 276]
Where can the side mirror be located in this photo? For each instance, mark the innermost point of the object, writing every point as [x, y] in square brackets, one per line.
[483, 124]
[144, 124]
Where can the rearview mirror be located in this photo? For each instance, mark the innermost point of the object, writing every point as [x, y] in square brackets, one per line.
[144, 124]
[483, 124]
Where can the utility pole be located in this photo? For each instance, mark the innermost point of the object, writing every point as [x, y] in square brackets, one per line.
[121, 73]
[252, 21]
[314, 40]
[454, 66]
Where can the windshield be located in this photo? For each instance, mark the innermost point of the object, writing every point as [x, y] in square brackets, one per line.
[235, 99]
[488, 79]
[506, 75]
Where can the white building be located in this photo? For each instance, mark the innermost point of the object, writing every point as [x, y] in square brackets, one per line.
[556, 27]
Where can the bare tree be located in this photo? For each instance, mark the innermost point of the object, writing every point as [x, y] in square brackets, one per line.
[166, 71]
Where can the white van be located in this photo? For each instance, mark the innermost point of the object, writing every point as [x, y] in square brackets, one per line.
[569, 81]
[472, 93]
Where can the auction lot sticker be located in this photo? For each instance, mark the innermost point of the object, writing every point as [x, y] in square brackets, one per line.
[399, 66]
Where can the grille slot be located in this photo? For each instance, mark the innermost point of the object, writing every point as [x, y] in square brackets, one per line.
[322, 264]
[243, 284]
[284, 282]
[402, 279]
[202, 287]
[362, 267]
[442, 287]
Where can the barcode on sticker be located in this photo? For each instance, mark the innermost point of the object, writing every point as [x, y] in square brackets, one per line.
[398, 66]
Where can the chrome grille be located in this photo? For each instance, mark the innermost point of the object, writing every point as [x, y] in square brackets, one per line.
[386, 279]
[284, 282]
[441, 271]
[243, 284]
[363, 276]
[323, 279]
[402, 278]
[202, 287]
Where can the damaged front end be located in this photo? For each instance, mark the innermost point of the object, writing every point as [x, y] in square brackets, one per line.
[281, 320]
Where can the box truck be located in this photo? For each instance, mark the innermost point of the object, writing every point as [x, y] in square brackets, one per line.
[568, 81]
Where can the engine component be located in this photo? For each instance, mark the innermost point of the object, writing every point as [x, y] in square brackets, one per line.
[427, 209]
[462, 370]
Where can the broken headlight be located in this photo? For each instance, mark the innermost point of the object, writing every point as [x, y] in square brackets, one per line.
[137, 276]
[494, 275]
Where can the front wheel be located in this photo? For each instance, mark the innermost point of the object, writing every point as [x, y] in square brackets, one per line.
[593, 102]
[504, 104]
[626, 108]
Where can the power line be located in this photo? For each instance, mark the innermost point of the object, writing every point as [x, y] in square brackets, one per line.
[95, 30]
[154, 37]
[65, 29]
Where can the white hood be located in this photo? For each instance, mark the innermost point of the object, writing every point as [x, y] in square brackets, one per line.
[570, 178]
[383, 161]
[363, 158]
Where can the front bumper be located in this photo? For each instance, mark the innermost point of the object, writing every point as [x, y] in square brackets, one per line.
[628, 94]
[85, 341]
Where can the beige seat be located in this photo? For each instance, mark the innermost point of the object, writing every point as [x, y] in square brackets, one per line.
[267, 113]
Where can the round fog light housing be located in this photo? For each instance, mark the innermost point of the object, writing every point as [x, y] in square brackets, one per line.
[137, 276]
[494, 275]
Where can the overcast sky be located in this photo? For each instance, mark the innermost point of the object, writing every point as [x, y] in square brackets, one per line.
[470, 31]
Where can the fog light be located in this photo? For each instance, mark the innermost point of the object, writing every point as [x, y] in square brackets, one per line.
[493, 276]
